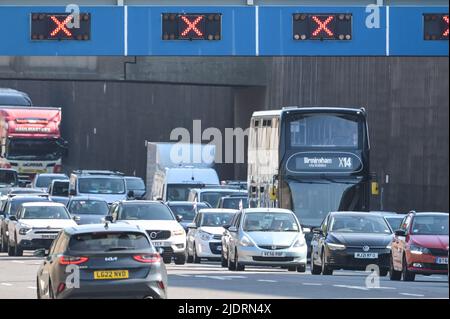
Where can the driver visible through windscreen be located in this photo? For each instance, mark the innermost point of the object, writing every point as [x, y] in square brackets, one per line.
[267, 222]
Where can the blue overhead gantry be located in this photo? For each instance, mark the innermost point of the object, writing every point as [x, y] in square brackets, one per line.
[267, 30]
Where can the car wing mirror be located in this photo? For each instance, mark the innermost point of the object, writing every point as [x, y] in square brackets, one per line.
[109, 218]
[13, 218]
[232, 229]
[179, 218]
[400, 233]
[130, 194]
[306, 230]
[317, 231]
[40, 252]
[226, 226]
[191, 226]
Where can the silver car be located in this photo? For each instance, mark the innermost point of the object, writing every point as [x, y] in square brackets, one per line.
[265, 237]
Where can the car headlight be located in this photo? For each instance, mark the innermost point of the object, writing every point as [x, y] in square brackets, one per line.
[24, 230]
[388, 246]
[418, 250]
[246, 242]
[335, 246]
[205, 236]
[178, 232]
[300, 242]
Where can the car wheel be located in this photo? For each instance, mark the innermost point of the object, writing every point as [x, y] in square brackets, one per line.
[189, 258]
[3, 246]
[38, 289]
[301, 268]
[407, 275]
[197, 260]
[292, 268]
[17, 250]
[51, 295]
[394, 274]
[315, 270]
[238, 266]
[223, 261]
[180, 259]
[327, 271]
[167, 259]
[11, 250]
[231, 265]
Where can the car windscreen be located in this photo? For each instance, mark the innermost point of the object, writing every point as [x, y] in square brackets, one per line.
[60, 189]
[394, 222]
[216, 219]
[147, 211]
[93, 185]
[109, 241]
[270, 222]
[359, 224]
[187, 211]
[235, 202]
[430, 225]
[45, 181]
[213, 197]
[88, 207]
[135, 184]
[14, 100]
[8, 178]
[16, 202]
[45, 212]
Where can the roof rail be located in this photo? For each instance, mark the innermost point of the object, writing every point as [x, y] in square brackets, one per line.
[97, 172]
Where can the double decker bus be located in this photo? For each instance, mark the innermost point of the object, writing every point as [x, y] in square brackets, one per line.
[312, 160]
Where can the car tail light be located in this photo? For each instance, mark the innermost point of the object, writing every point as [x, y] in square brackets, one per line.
[61, 287]
[148, 258]
[6, 165]
[69, 260]
[161, 285]
[57, 168]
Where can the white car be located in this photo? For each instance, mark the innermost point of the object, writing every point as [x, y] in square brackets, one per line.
[158, 221]
[36, 225]
[204, 238]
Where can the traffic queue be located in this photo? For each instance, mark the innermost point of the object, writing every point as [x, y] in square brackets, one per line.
[102, 223]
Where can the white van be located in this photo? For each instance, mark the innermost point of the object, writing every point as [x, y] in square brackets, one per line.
[174, 184]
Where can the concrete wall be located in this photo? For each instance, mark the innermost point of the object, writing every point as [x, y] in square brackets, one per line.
[406, 98]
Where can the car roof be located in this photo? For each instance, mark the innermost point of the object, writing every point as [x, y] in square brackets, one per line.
[50, 174]
[87, 198]
[430, 213]
[385, 213]
[28, 196]
[99, 176]
[133, 177]
[180, 203]
[95, 228]
[267, 210]
[354, 213]
[218, 190]
[135, 202]
[218, 210]
[43, 204]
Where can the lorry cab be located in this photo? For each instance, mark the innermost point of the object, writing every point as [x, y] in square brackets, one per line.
[107, 185]
[174, 184]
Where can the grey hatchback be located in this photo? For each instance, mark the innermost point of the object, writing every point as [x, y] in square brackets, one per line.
[102, 261]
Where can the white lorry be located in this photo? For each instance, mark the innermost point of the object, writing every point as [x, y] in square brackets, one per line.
[174, 168]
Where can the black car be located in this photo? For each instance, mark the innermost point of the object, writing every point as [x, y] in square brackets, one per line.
[9, 207]
[233, 202]
[187, 210]
[8, 179]
[137, 186]
[11, 97]
[111, 261]
[351, 241]
[87, 210]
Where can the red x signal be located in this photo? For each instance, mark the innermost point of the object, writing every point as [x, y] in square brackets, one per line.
[446, 32]
[61, 26]
[322, 26]
[192, 26]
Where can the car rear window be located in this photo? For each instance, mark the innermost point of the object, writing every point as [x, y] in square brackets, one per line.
[109, 241]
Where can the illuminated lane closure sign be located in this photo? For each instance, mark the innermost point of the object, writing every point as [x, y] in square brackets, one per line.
[435, 26]
[336, 26]
[324, 162]
[191, 26]
[60, 26]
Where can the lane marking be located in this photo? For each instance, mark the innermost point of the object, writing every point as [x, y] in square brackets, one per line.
[213, 277]
[351, 287]
[32, 287]
[6, 284]
[266, 280]
[17, 261]
[411, 295]
[311, 284]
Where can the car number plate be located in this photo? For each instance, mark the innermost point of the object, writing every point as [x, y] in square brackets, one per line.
[157, 243]
[111, 274]
[273, 254]
[49, 236]
[442, 260]
[366, 255]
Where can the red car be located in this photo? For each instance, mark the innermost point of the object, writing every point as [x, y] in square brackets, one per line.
[420, 246]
